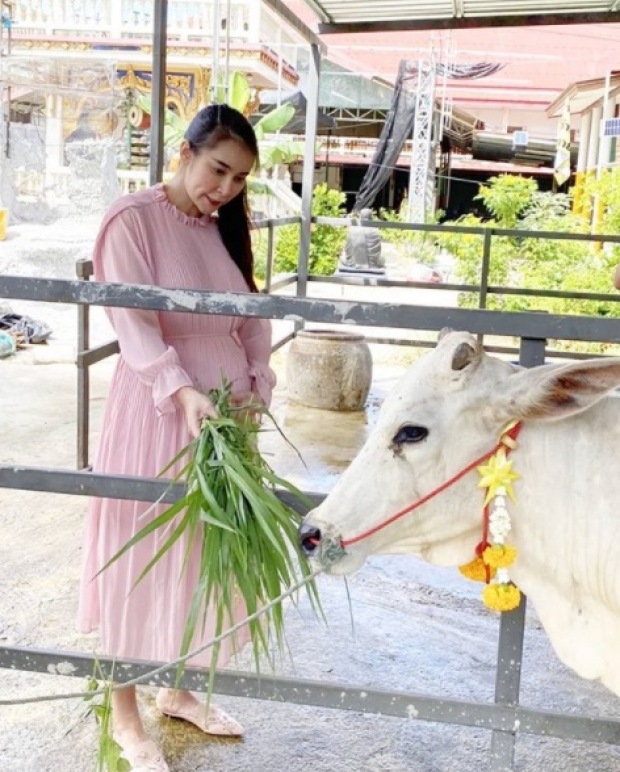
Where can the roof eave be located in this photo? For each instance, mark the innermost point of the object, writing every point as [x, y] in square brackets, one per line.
[469, 22]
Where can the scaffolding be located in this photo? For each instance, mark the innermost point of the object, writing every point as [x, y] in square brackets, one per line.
[421, 202]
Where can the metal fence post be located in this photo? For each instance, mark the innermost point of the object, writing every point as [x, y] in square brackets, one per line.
[312, 96]
[269, 266]
[158, 106]
[83, 378]
[486, 265]
[512, 629]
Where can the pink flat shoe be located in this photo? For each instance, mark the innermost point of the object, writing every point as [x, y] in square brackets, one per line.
[213, 721]
[144, 757]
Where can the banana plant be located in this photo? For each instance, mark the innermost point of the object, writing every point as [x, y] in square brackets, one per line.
[272, 151]
[280, 152]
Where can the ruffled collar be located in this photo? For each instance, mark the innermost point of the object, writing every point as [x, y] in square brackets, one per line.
[196, 222]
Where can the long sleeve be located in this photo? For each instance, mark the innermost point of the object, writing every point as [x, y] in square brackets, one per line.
[255, 337]
[121, 258]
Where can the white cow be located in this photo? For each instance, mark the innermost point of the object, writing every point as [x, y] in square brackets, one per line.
[448, 410]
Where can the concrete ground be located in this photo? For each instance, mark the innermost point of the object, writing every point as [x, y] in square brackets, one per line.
[416, 628]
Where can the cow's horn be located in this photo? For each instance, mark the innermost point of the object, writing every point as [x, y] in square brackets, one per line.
[464, 355]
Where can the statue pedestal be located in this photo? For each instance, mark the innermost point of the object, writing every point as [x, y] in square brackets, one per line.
[329, 370]
[364, 273]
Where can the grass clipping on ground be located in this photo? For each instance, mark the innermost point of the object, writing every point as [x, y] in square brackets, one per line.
[246, 535]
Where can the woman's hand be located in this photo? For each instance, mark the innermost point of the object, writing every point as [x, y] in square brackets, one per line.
[247, 402]
[196, 406]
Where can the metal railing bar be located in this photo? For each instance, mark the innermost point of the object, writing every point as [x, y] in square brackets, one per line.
[473, 288]
[126, 487]
[508, 323]
[335, 696]
[282, 342]
[477, 230]
[285, 281]
[94, 355]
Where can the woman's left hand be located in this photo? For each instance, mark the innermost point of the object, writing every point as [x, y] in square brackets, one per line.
[245, 401]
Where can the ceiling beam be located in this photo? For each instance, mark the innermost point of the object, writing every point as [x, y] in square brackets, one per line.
[315, 5]
[470, 22]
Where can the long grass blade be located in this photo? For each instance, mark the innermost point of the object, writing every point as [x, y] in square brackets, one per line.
[239, 536]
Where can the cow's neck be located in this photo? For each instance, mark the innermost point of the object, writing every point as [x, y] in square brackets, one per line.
[566, 497]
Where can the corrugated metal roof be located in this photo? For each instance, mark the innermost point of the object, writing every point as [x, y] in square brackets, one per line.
[584, 95]
[381, 15]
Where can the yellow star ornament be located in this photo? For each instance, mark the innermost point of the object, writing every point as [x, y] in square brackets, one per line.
[497, 474]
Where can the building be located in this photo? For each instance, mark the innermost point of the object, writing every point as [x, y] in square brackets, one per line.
[78, 72]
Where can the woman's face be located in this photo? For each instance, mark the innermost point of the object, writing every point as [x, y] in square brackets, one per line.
[214, 176]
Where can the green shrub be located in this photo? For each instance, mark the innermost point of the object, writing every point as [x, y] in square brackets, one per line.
[507, 197]
[542, 264]
[326, 240]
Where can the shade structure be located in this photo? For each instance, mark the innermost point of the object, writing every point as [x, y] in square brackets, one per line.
[338, 16]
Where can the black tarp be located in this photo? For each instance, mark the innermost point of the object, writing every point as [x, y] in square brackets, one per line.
[297, 124]
[396, 130]
[400, 119]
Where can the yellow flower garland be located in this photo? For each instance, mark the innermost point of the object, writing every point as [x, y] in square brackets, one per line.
[477, 570]
[501, 597]
[499, 556]
[497, 478]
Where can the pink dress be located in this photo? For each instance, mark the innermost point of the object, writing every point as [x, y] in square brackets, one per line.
[146, 240]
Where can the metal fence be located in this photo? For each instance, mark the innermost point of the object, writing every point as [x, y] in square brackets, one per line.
[87, 357]
[505, 718]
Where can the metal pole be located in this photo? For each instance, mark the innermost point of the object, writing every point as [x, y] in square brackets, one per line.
[604, 152]
[269, 267]
[605, 142]
[275, 172]
[158, 106]
[312, 108]
[215, 53]
[412, 162]
[227, 66]
[83, 376]
[486, 265]
[512, 628]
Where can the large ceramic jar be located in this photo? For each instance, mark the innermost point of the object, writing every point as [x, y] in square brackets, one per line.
[329, 370]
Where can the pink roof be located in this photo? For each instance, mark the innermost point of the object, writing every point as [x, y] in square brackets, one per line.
[540, 61]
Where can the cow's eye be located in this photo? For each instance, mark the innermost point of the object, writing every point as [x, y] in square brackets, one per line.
[410, 433]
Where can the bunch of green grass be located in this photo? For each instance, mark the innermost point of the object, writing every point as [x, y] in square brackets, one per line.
[247, 536]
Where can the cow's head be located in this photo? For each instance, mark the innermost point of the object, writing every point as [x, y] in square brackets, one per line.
[448, 410]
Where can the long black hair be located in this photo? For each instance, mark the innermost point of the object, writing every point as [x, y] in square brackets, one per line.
[208, 128]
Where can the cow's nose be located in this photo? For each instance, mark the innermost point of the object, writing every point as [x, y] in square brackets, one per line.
[309, 537]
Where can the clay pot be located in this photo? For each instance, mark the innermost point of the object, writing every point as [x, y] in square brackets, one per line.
[329, 370]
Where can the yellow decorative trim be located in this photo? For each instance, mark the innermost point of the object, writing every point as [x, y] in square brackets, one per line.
[200, 52]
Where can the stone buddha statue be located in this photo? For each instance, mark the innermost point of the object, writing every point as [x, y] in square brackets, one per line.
[362, 249]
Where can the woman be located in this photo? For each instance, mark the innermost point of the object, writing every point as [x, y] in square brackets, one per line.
[190, 233]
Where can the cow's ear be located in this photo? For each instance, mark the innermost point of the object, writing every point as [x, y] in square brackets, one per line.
[462, 349]
[557, 391]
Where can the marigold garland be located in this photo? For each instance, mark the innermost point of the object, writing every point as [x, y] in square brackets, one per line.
[477, 570]
[493, 555]
[501, 597]
[499, 556]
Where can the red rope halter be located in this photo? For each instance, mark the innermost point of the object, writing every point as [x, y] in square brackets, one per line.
[512, 433]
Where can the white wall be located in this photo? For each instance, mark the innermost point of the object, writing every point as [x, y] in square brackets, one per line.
[534, 121]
